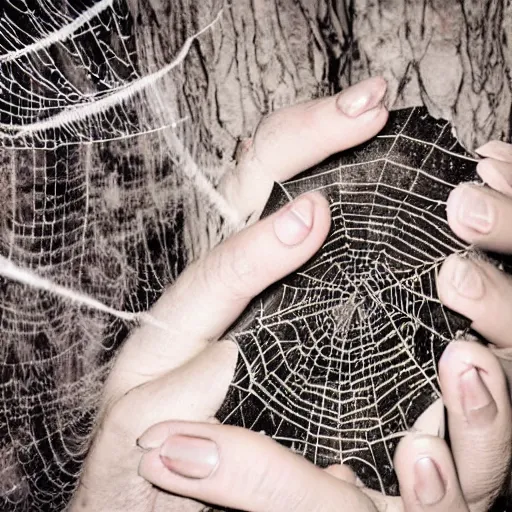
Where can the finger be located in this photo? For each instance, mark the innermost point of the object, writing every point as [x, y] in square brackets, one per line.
[210, 294]
[480, 422]
[342, 472]
[496, 149]
[481, 216]
[496, 174]
[293, 139]
[237, 468]
[481, 292]
[427, 476]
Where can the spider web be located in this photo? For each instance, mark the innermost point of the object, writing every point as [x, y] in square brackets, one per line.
[339, 359]
[91, 201]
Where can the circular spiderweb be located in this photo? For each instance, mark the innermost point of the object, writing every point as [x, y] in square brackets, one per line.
[338, 360]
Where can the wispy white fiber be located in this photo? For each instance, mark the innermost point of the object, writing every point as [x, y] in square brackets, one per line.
[10, 270]
[62, 34]
[120, 96]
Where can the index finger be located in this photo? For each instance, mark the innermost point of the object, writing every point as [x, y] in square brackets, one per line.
[296, 138]
[236, 468]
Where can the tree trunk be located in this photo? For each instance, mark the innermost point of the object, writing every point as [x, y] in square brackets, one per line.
[453, 56]
[102, 211]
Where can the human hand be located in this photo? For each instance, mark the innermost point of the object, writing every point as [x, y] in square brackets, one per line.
[482, 216]
[177, 372]
[241, 469]
[252, 473]
[474, 287]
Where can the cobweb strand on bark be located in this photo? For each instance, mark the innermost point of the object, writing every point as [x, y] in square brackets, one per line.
[95, 192]
[100, 193]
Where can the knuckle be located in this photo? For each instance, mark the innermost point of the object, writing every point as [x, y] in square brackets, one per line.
[272, 489]
[233, 270]
[267, 126]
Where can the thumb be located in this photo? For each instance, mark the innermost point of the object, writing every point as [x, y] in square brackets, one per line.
[210, 295]
[213, 292]
[240, 469]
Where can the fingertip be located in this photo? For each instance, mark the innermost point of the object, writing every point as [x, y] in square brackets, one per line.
[452, 357]
[295, 221]
[427, 475]
[382, 83]
[464, 214]
[345, 473]
[473, 386]
[403, 450]
[460, 356]
[185, 462]
[376, 118]
[496, 149]
[412, 447]
[496, 174]
[462, 285]
[362, 97]
[476, 288]
[320, 201]
[154, 470]
[307, 216]
[323, 213]
[463, 355]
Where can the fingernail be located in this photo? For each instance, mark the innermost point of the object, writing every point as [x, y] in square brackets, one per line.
[489, 168]
[293, 224]
[474, 211]
[496, 149]
[191, 457]
[151, 439]
[362, 97]
[466, 279]
[428, 484]
[475, 395]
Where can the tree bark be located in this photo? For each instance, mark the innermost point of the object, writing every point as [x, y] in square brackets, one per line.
[454, 57]
[451, 55]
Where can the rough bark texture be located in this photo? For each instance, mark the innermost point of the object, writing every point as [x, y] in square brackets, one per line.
[103, 213]
[452, 56]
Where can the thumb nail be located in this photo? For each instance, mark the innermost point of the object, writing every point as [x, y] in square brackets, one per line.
[191, 457]
[362, 97]
[294, 222]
